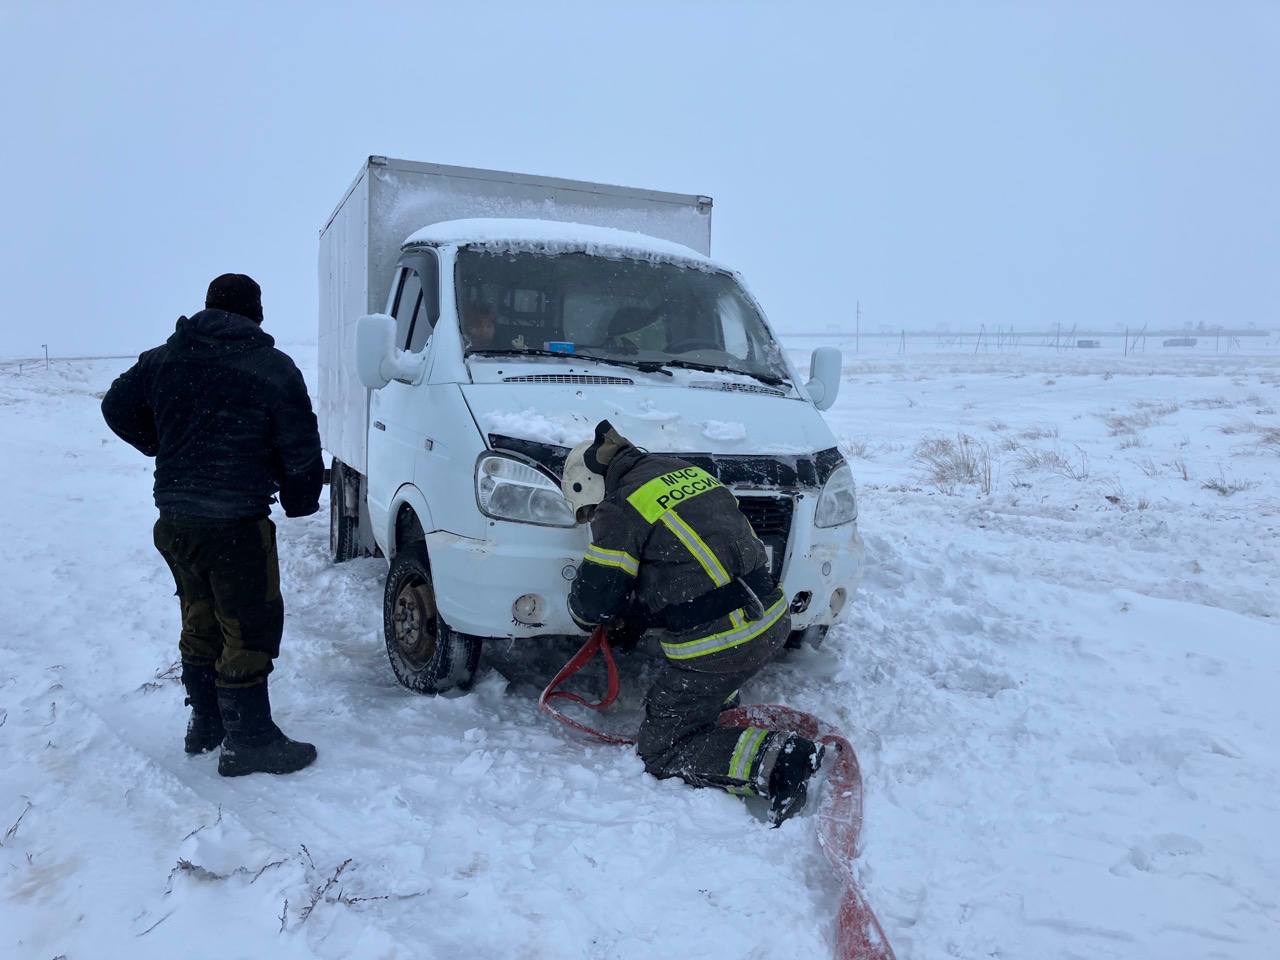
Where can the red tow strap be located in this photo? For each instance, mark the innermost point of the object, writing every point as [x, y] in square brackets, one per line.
[859, 935]
[597, 641]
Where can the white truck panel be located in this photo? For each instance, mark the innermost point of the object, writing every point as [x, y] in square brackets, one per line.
[344, 298]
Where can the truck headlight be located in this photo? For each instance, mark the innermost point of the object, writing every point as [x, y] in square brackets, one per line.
[839, 500]
[508, 489]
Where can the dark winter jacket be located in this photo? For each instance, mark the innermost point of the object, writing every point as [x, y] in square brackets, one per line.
[671, 538]
[227, 417]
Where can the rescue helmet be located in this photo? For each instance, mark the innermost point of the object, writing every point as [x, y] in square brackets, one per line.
[582, 486]
[584, 470]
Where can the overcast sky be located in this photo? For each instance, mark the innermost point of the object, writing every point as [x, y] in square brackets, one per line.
[950, 163]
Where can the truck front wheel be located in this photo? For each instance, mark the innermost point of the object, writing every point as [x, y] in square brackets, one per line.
[426, 655]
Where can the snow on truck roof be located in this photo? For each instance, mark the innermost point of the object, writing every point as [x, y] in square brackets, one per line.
[554, 236]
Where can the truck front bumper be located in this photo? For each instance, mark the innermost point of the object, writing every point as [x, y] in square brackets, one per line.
[822, 570]
[520, 587]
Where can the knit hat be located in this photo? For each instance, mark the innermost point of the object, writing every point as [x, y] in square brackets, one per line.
[235, 293]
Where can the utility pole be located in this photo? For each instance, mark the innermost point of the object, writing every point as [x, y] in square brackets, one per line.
[46, 355]
[857, 330]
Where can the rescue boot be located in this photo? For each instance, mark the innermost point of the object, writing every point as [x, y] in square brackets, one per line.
[798, 760]
[204, 729]
[254, 744]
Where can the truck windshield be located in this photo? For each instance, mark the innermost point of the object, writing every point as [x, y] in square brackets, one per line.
[637, 312]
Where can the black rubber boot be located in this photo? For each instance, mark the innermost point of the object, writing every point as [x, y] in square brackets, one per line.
[204, 729]
[798, 760]
[254, 744]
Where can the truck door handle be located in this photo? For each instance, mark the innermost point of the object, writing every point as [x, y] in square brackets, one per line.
[379, 425]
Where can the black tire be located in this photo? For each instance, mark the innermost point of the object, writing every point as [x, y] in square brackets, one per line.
[426, 654]
[342, 528]
[795, 640]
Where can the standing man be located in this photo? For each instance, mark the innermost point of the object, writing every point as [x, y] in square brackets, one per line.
[228, 419]
[671, 550]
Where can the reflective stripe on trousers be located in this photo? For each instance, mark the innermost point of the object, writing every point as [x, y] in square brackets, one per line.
[744, 755]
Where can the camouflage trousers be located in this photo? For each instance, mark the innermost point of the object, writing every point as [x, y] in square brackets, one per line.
[228, 583]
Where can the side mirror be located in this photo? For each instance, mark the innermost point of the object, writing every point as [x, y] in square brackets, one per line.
[824, 377]
[378, 362]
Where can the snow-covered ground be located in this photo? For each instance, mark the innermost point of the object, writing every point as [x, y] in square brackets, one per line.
[1061, 674]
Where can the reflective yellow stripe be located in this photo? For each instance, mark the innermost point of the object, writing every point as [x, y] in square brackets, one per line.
[662, 493]
[734, 637]
[613, 558]
[702, 553]
[744, 755]
[697, 546]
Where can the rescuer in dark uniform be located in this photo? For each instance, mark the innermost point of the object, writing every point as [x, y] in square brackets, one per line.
[671, 551]
[228, 419]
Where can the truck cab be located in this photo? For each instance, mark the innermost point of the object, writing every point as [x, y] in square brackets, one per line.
[500, 343]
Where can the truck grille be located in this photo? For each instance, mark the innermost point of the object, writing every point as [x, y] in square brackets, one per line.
[590, 379]
[770, 518]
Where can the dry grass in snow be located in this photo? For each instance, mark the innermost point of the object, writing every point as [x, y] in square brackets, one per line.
[948, 464]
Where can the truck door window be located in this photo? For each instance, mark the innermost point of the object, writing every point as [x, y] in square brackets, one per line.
[407, 304]
[427, 313]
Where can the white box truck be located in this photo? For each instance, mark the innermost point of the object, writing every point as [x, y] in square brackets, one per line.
[475, 325]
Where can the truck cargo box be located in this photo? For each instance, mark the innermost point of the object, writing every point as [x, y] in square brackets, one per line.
[391, 199]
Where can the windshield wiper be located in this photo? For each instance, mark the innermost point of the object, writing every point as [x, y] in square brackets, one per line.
[721, 368]
[644, 366]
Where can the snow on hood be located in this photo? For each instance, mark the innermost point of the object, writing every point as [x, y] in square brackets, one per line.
[553, 237]
[670, 419]
[531, 424]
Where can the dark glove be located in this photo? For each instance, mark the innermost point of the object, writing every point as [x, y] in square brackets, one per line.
[300, 493]
[625, 630]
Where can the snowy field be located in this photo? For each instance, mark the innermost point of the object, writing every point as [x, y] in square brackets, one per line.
[1062, 675]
